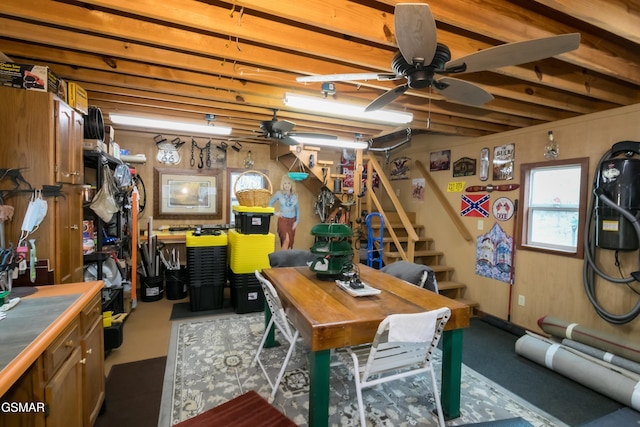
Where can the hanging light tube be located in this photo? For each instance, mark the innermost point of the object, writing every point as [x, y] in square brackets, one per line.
[339, 143]
[143, 122]
[333, 108]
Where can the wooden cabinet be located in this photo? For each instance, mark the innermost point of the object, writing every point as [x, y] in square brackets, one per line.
[69, 137]
[27, 389]
[67, 379]
[68, 263]
[92, 346]
[63, 394]
[42, 136]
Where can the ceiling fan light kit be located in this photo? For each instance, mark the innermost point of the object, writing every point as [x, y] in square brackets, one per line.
[420, 58]
[321, 105]
[182, 127]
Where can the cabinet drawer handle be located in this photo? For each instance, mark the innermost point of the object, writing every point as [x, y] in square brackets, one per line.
[89, 351]
[69, 343]
[83, 361]
[75, 227]
[74, 173]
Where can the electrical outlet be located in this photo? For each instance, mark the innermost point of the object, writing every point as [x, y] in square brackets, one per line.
[397, 192]
[480, 224]
[521, 300]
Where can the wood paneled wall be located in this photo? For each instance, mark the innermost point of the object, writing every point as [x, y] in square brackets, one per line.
[142, 143]
[551, 284]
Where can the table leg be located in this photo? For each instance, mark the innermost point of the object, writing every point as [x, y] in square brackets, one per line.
[319, 365]
[451, 373]
[271, 338]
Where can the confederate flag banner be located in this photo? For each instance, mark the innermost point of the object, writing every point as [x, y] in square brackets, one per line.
[476, 205]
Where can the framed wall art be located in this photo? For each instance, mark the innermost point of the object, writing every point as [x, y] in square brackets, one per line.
[183, 193]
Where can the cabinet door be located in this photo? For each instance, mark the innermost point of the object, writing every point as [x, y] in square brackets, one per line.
[93, 385]
[63, 394]
[77, 148]
[68, 243]
[66, 170]
[24, 390]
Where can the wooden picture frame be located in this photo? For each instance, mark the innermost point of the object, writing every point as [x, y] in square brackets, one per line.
[181, 193]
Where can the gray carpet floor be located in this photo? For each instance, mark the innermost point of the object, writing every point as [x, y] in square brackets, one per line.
[490, 351]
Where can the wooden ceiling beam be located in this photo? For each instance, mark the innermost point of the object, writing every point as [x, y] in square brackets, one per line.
[619, 17]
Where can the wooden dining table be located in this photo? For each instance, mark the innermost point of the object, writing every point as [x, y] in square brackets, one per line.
[328, 318]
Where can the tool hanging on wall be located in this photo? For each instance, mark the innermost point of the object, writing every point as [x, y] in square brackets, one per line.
[168, 152]
[201, 161]
[489, 188]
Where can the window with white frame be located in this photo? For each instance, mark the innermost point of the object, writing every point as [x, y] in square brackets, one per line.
[553, 197]
[247, 181]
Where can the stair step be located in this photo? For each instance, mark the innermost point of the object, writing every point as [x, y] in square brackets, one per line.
[395, 225]
[440, 268]
[470, 303]
[396, 254]
[403, 239]
[450, 285]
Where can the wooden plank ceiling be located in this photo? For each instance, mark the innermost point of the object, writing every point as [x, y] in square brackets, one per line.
[237, 59]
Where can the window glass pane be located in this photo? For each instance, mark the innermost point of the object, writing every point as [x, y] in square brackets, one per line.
[247, 181]
[555, 186]
[557, 228]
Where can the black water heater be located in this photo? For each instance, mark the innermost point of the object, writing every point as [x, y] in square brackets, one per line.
[619, 180]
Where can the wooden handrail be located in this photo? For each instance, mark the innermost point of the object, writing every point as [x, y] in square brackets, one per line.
[374, 165]
[445, 203]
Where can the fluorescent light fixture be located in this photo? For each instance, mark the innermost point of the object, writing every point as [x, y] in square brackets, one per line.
[142, 122]
[340, 143]
[333, 108]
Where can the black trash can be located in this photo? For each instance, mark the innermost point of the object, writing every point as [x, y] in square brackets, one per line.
[151, 288]
[176, 282]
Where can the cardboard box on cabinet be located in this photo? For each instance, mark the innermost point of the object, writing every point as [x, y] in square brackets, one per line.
[78, 98]
[30, 77]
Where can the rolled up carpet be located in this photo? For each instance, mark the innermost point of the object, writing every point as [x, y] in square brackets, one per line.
[606, 381]
[573, 331]
[603, 355]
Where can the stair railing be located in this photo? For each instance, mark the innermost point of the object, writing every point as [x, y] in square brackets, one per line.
[453, 215]
[374, 166]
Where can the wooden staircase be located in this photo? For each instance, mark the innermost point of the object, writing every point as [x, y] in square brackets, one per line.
[424, 254]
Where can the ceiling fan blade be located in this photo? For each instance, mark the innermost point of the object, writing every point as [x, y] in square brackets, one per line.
[312, 135]
[464, 92]
[517, 53]
[348, 77]
[386, 98]
[287, 140]
[283, 126]
[415, 32]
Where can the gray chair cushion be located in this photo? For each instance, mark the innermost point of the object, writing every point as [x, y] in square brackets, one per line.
[417, 274]
[291, 258]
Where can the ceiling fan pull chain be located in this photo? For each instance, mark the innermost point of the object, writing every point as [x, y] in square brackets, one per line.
[429, 112]
[192, 162]
[240, 19]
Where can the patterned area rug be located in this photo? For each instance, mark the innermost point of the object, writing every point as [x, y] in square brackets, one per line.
[210, 362]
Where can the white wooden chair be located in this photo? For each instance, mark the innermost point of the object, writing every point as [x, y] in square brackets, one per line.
[281, 322]
[403, 346]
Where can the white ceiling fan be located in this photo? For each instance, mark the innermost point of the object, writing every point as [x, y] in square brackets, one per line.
[421, 58]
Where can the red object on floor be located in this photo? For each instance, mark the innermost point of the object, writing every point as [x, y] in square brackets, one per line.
[247, 410]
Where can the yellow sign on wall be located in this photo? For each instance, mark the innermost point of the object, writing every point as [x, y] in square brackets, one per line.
[455, 187]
